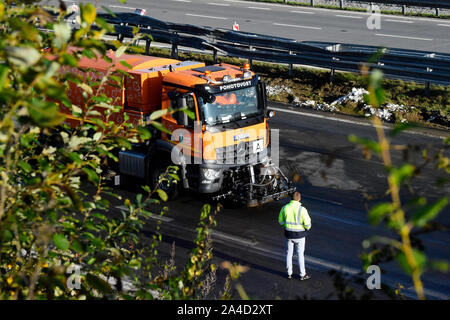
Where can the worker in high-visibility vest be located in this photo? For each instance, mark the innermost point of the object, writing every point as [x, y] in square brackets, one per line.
[296, 222]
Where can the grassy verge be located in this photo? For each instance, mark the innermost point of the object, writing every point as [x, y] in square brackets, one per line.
[391, 12]
[306, 84]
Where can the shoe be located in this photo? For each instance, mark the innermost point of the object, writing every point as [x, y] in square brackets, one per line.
[289, 276]
[305, 277]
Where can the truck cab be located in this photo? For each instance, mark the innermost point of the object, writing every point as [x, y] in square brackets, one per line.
[225, 146]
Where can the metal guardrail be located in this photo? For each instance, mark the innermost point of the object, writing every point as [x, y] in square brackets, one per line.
[412, 3]
[416, 3]
[419, 66]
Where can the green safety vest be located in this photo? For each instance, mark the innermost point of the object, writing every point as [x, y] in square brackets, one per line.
[294, 217]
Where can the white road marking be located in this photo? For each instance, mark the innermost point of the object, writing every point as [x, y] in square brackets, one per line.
[305, 12]
[219, 4]
[444, 25]
[366, 124]
[296, 26]
[346, 221]
[323, 200]
[229, 237]
[153, 216]
[402, 37]
[209, 17]
[122, 7]
[401, 21]
[347, 16]
[259, 8]
[182, 0]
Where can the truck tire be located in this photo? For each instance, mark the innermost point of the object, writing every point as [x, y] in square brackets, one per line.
[157, 168]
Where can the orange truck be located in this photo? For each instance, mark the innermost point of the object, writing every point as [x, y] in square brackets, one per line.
[222, 151]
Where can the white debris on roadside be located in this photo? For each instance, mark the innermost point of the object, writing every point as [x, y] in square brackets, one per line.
[277, 89]
[356, 95]
[386, 112]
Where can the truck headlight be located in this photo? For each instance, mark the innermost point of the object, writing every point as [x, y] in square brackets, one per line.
[211, 174]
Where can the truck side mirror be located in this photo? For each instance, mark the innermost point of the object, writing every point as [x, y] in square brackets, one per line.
[262, 88]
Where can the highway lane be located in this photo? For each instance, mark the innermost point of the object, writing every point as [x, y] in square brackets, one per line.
[336, 206]
[300, 23]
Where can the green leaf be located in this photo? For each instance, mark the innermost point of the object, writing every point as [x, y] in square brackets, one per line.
[400, 128]
[440, 265]
[3, 76]
[92, 175]
[120, 51]
[22, 56]
[86, 88]
[98, 283]
[134, 263]
[419, 257]
[75, 157]
[144, 133]
[77, 246]
[88, 13]
[377, 213]
[126, 64]
[377, 94]
[61, 241]
[24, 166]
[206, 210]
[372, 145]
[158, 114]
[174, 176]
[45, 114]
[109, 11]
[160, 127]
[189, 113]
[69, 59]
[162, 194]
[63, 33]
[399, 175]
[421, 217]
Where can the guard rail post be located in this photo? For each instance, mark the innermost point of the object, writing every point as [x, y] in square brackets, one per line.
[215, 55]
[437, 12]
[341, 4]
[403, 9]
[291, 67]
[312, 3]
[174, 52]
[332, 73]
[147, 46]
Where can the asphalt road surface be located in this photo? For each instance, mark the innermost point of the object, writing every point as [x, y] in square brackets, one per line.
[336, 205]
[299, 23]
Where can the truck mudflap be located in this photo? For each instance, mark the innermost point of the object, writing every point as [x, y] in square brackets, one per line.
[255, 185]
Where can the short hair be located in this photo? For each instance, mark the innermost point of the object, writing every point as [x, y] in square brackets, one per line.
[296, 196]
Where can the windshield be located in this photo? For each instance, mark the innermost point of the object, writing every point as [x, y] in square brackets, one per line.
[232, 106]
